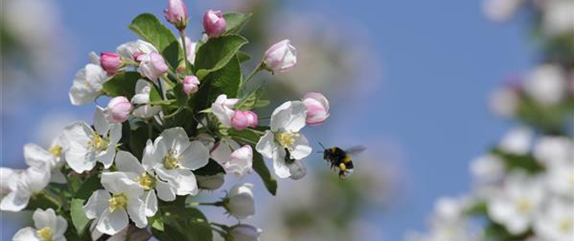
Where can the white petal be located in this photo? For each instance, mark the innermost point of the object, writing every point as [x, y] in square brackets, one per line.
[58, 177]
[97, 203]
[35, 179]
[136, 210]
[107, 157]
[43, 219]
[61, 227]
[222, 152]
[279, 166]
[14, 201]
[126, 162]
[37, 156]
[78, 156]
[165, 191]
[115, 133]
[289, 116]
[150, 203]
[195, 156]
[101, 124]
[149, 161]
[112, 222]
[266, 145]
[26, 234]
[183, 180]
[175, 138]
[302, 148]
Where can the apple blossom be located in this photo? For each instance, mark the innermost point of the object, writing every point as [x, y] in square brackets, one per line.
[244, 118]
[51, 159]
[173, 158]
[488, 168]
[557, 17]
[146, 178]
[556, 220]
[152, 65]
[240, 162]
[130, 50]
[88, 84]
[110, 62]
[516, 204]
[546, 84]
[48, 227]
[244, 232]
[190, 84]
[22, 186]
[111, 211]
[119, 109]
[517, 141]
[212, 182]
[317, 108]
[239, 201]
[141, 101]
[280, 57]
[176, 14]
[222, 109]
[284, 137]
[87, 146]
[7, 176]
[214, 23]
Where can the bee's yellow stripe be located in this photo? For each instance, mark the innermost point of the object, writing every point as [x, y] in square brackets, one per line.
[347, 159]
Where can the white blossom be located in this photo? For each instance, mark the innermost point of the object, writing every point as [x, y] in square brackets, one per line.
[51, 159]
[88, 84]
[141, 99]
[48, 227]
[111, 211]
[556, 221]
[517, 141]
[546, 85]
[22, 186]
[86, 146]
[239, 201]
[284, 138]
[173, 158]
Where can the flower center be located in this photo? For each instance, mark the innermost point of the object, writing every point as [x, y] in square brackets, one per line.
[286, 139]
[45, 234]
[56, 151]
[524, 205]
[118, 201]
[566, 225]
[146, 181]
[98, 143]
[171, 161]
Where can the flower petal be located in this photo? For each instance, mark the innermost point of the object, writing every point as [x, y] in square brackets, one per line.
[150, 203]
[37, 156]
[126, 162]
[26, 234]
[266, 145]
[301, 149]
[43, 219]
[112, 222]
[136, 209]
[107, 157]
[97, 203]
[279, 166]
[175, 138]
[101, 124]
[14, 202]
[289, 116]
[195, 156]
[165, 191]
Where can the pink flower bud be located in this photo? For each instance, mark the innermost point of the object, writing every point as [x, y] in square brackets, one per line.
[214, 23]
[190, 84]
[317, 108]
[176, 14]
[119, 109]
[280, 57]
[243, 119]
[110, 62]
[152, 65]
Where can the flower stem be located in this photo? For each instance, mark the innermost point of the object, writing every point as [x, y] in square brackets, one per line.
[253, 73]
[182, 35]
[216, 204]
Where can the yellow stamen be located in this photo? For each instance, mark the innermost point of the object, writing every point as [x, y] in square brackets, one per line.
[286, 139]
[171, 161]
[146, 181]
[118, 201]
[45, 234]
[566, 225]
[98, 143]
[524, 205]
[56, 151]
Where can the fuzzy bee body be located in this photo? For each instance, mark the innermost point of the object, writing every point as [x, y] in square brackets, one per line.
[340, 159]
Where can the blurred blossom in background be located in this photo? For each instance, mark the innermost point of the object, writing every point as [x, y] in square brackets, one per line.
[423, 114]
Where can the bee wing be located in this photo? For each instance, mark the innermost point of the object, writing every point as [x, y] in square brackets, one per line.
[354, 150]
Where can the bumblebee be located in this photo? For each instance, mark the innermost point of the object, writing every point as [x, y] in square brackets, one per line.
[341, 159]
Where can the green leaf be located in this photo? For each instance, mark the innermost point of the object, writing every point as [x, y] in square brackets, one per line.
[122, 84]
[42, 200]
[217, 53]
[519, 162]
[184, 224]
[252, 100]
[79, 219]
[242, 56]
[150, 29]
[263, 172]
[224, 81]
[236, 22]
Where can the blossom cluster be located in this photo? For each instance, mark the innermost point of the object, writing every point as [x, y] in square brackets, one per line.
[524, 187]
[179, 117]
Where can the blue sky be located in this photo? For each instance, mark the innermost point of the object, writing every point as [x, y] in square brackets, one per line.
[440, 60]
